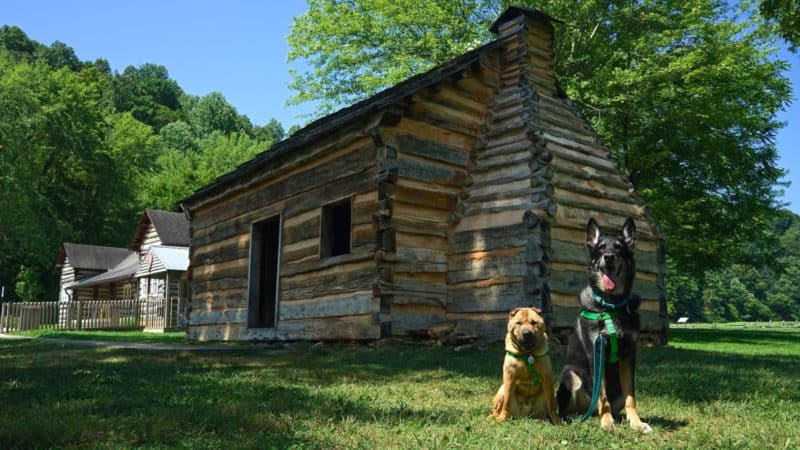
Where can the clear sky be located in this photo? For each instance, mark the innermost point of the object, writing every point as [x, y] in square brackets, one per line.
[237, 48]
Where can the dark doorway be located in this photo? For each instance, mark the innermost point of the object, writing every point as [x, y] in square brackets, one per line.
[263, 288]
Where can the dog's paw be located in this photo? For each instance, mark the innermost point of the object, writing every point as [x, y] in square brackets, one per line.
[642, 427]
[607, 422]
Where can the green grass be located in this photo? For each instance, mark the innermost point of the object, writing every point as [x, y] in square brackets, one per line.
[709, 389]
[170, 337]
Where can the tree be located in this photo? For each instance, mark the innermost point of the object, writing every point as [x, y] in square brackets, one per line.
[148, 94]
[684, 98]
[271, 132]
[785, 14]
[214, 113]
[356, 48]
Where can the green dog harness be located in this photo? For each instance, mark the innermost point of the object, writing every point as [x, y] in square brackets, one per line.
[608, 319]
[529, 360]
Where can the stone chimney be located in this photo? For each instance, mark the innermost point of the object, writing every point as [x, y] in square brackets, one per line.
[528, 35]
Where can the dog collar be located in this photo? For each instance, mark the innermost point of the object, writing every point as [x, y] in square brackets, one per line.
[605, 304]
[529, 359]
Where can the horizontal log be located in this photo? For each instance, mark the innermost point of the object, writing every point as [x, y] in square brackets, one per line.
[218, 317]
[496, 298]
[445, 117]
[348, 328]
[302, 231]
[219, 300]
[410, 144]
[460, 271]
[412, 211]
[416, 260]
[338, 263]
[337, 306]
[418, 226]
[343, 280]
[413, 285]
[421, 170]
[217, 284]
[429, 132]
[485, 220]
[232, 268]
[429, 198]
[485, 239]
[408, 240]
[627, 208]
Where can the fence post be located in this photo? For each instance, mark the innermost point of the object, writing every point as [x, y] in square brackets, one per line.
[79, 322]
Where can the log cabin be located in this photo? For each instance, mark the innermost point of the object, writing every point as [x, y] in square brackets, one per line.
[94, 272]
[156, 258]
[449, 198]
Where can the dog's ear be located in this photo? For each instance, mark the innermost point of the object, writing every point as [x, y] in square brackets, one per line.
[538, 310]
[592, 233]
[629, 232]
[513, 312]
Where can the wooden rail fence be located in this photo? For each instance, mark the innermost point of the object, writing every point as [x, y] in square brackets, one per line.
[153, 313]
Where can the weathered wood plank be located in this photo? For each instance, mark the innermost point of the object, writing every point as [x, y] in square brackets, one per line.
[490, 238]
[498, 297]
[348, 328]
[421, 170]
[341, 280]
[507, 262]
[429, 198]
[336, 306]
[415, 318]
[410, 144]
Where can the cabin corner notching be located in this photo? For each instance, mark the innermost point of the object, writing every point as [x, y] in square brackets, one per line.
[454, 196]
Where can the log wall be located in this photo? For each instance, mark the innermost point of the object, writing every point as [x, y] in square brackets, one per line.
[427, 157]
[328, 298]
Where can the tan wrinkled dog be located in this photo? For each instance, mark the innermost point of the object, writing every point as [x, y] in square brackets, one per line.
[522, 393]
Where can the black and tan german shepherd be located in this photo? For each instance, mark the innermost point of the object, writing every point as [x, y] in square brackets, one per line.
[611, 272]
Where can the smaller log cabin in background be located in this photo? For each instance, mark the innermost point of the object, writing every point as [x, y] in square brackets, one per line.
[156, 257]
[452, 197]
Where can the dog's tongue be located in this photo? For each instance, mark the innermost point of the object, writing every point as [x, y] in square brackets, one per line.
[609, 281]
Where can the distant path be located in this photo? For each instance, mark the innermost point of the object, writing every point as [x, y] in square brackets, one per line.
[130, 345]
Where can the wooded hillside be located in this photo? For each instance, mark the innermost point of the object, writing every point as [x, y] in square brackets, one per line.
[84, 150]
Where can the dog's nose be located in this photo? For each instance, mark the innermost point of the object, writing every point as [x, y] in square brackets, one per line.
[527, 334]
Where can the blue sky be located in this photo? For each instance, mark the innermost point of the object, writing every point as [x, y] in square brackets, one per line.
[238, 49]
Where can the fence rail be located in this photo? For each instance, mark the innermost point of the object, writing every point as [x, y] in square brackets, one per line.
[154, 313]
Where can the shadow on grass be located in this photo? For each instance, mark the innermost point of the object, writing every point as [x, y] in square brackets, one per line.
[55, 396]
[61, 396]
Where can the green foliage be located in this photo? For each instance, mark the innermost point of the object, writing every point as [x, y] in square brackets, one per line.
[213, 113]
[750, 290]
[785, 15]
[148, 94]
[27, 286]
[179, 171]
[83, 151]
[355, 48]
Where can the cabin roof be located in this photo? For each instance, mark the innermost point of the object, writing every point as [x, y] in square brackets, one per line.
[161, 258]
[91, 257]
[338, 119]
[122, 271]
[172, 228]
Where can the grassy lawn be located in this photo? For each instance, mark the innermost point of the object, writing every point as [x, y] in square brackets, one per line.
[711, 389]
[170, 337]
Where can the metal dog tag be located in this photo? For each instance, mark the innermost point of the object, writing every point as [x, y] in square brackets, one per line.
[530, 359]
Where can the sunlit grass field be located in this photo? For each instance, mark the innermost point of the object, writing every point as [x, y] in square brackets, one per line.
[711, 388]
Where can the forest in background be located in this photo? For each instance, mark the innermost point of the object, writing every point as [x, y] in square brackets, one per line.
[684, 95]
[84, 150]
